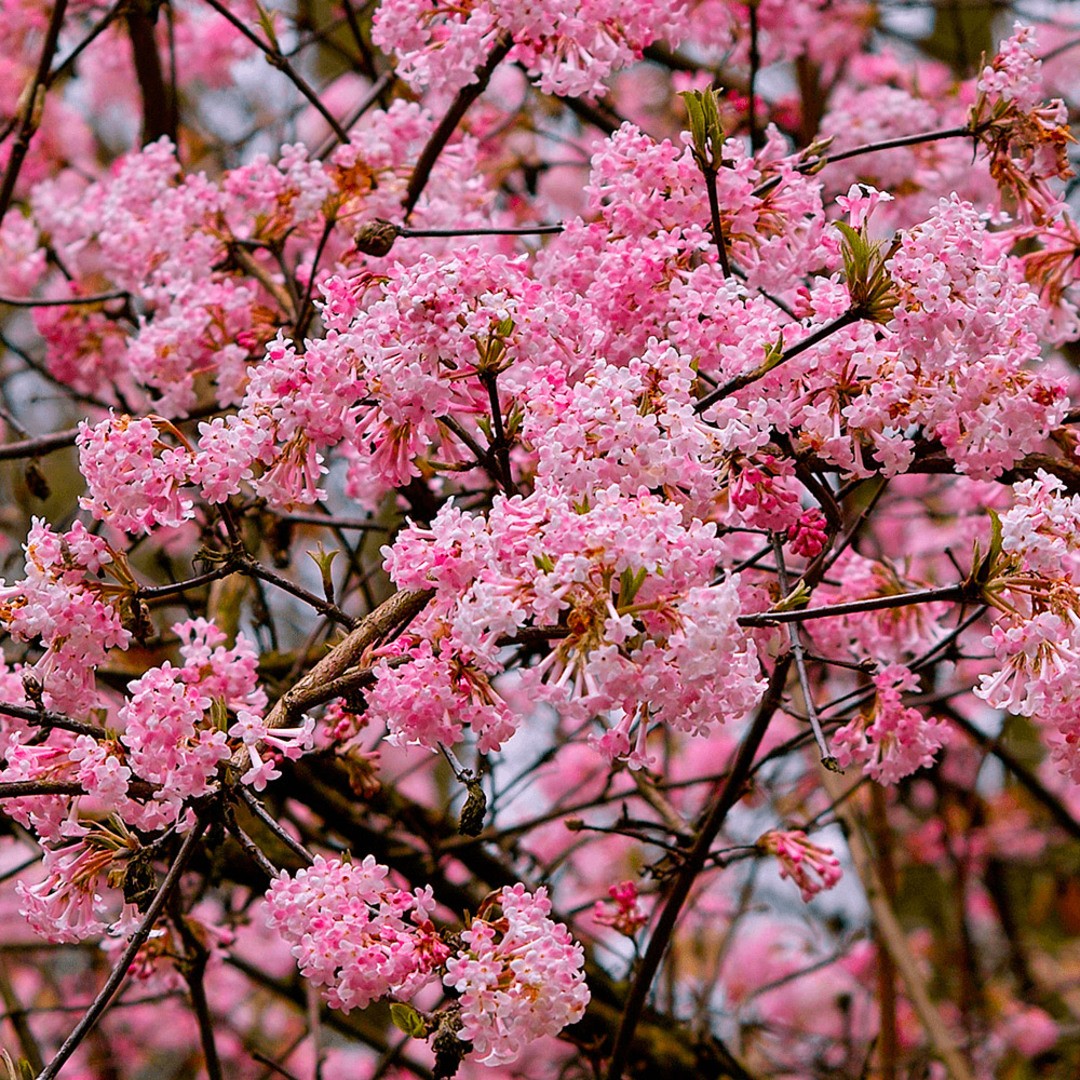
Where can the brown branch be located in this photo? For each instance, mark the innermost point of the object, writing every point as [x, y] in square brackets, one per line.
[123, 963]
[421, 174]
[726, 797]
[888, 1037]
[158, 104]
[16, 1014]
[18, 789]
[45, 718]
[193, 968]
[311, 690]
[38, 446]
[255, 569]
[31, 106]
[893, 937]
[756, 141]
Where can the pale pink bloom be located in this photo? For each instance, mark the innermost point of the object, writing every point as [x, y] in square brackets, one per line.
[860, 202]
[353, 933]
[76, 899]
[812, 867]
[892, 741]
[135, 479]
[519, 976]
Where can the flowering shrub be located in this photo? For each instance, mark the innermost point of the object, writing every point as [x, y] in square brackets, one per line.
[484, 480]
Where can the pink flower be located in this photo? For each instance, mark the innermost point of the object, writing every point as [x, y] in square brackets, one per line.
[892, 742]
[809, 534]
[812, 867]
[353, 933]
[134, 478]
[76, 898]
[519, 976]
[628, 917]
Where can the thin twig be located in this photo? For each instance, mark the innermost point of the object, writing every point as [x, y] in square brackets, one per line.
[1024, 776]
[71, 301]
[521, 230]
[892, 936]
[31, 105]
[256, 807]
[38, 446]
[95, 31]
[500, 446]
[421, 174]
[740, 381]
[306, 308]
[717, 227]
[255, 569]
[952, 593]
[120, 970]
[381, 85]
[800, 665]
[21, 789]
[726, 797]
[905, 140]
[16, 1014]
[277, 59]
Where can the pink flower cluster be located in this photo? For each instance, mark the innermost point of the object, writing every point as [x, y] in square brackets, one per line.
[78, 897]
[519, 975]
[63, 603]
[623, 585]
[604, 436]
[1014, 76]
[134, 479]
[892, 741]
[175, 721]
[812, 867]
[1036, 587]
[628, 917]
[1026, 135]
[354, 934]
[572, 48]
[361, 939]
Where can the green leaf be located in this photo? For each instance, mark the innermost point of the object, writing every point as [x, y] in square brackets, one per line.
[706, 130]
[629, 584]
[984, 568]
[219, 714]
[869, 283]
[266, 21]
[799, 597]
[774, 353]
[995, 534]
[406, 1019]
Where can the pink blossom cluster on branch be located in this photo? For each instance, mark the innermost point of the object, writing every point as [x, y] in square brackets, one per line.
[476, 511]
